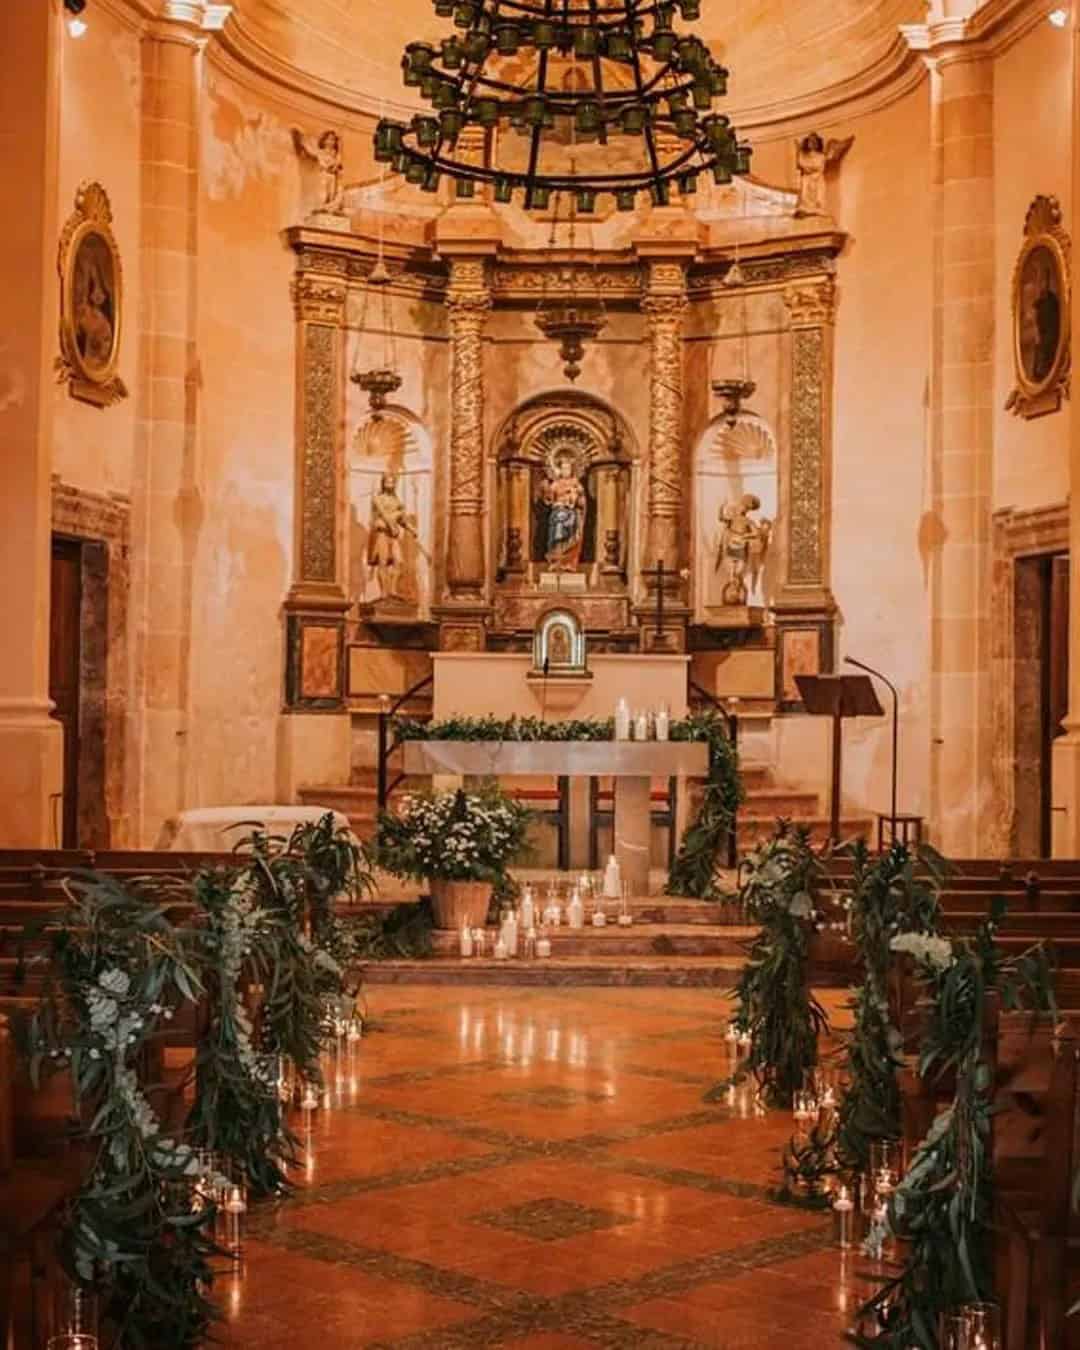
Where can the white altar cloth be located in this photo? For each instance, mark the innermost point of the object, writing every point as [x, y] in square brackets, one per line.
[632, 764]
[216, 829]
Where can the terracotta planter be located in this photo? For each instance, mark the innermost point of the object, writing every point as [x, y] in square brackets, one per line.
[455, 901]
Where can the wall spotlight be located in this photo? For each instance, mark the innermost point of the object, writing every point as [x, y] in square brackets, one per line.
[77, 25]
[1058, 17]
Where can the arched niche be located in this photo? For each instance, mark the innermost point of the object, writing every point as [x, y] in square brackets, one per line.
[558, 454]
[730, 462]
[391, 452]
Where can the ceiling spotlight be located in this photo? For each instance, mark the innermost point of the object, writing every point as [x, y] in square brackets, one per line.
[1058, 17]
[76, 24]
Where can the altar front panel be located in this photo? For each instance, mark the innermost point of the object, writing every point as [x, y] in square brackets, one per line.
[496, 684]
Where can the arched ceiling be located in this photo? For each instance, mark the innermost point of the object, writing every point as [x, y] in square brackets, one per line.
[779, 51]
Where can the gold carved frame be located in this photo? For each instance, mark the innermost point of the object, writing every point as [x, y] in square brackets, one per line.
[1038, 392]
[88, 242]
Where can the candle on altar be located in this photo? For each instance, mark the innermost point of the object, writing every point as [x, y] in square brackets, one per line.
[844, 1224]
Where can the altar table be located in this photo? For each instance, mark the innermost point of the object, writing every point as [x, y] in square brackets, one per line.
[215, 829]
[632, 764]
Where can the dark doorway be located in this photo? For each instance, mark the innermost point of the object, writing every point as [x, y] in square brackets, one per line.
[65, 655]
[1041, 693]
[78, 653]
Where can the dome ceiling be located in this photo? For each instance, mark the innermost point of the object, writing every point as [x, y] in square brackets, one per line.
[778, 50]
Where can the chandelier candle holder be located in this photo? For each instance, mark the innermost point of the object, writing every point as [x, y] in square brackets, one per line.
[636, 77]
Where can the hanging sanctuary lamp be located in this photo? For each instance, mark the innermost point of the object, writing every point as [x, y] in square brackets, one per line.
[380, 381]
[649, 84]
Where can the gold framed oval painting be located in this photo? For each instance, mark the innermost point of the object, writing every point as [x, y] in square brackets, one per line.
[91, 314]
[1041, 302]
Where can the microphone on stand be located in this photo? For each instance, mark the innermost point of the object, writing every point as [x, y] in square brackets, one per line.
[851, 661]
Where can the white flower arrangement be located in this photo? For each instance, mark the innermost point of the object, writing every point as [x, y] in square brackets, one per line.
[934, 952]
[456, 836]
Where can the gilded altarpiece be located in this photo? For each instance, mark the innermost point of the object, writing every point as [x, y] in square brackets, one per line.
[578, 493]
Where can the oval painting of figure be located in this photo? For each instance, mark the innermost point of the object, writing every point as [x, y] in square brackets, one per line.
[1039, 314]
[94, 304]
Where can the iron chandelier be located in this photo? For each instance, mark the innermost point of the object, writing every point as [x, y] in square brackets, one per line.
[559, 70]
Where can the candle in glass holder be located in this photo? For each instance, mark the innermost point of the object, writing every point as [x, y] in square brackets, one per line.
[72, 1340]
[543, 947]
[599, 918]
[529, 951]
[641, 726]
[501, 950]
[309, 1098]
[844, 1218]
[232, 1213]
[466, 940]
[804, 1109]
[981, 1326]
[479, 940]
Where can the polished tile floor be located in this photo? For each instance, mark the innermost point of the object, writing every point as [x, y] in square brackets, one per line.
[537, 1169]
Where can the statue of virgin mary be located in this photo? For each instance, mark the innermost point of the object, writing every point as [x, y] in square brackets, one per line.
[562, 494]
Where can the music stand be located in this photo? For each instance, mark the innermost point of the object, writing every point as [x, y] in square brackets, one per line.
[838, 696]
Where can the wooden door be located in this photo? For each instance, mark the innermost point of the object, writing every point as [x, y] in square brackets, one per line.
[1055, 678]
[65, 658]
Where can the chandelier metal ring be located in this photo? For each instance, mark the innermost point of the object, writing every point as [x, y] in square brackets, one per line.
[636, 77]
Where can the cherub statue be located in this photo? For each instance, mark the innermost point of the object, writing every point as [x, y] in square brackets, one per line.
[813, 156]
[741, 548]
[325, 153]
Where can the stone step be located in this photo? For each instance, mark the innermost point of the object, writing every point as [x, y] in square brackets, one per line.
[628, 943]
[717, 972]
[779, 801]
[754, 829]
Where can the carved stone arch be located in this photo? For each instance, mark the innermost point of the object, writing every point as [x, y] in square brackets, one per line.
[396, 443]
[730, 460]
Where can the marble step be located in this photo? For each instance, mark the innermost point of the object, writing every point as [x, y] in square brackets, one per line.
[670, 940]
[717, 972]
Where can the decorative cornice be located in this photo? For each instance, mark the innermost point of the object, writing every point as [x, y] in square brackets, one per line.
[207, 16]
[992, 28]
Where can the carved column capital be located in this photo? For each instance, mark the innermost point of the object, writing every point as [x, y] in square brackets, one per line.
[811, 304]
[318, 301]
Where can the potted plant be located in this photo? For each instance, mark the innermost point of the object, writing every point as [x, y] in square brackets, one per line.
[459, 842]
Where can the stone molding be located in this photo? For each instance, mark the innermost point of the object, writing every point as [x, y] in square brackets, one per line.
[1016, 534]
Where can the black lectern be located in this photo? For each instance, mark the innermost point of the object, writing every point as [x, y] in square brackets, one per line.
[838, 696]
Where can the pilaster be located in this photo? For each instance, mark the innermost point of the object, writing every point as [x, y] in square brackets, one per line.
[31, 742]
[961, 434]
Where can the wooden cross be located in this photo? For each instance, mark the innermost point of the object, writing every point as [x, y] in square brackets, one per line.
[659, 573]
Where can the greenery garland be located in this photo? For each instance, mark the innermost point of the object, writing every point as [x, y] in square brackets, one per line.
[701, 849]
[775, 1003]
[943, 1206]
[891, 893]
[120, 971]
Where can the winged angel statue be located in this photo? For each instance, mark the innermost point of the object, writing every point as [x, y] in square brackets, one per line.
[813, 157]
[741, 548]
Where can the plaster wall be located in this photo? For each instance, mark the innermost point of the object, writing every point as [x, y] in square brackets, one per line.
[100, 139]
[1032, 155]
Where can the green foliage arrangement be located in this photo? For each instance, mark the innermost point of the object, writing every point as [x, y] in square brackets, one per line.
[943, 1206]
[891, 893]
[265, 952]
[693, 873]
[775, 1003]
[701, 849]
[452, 836]
[529, 729]
[120, 971]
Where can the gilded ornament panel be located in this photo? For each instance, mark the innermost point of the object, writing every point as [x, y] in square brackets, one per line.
[318, 548]
[807, 456]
